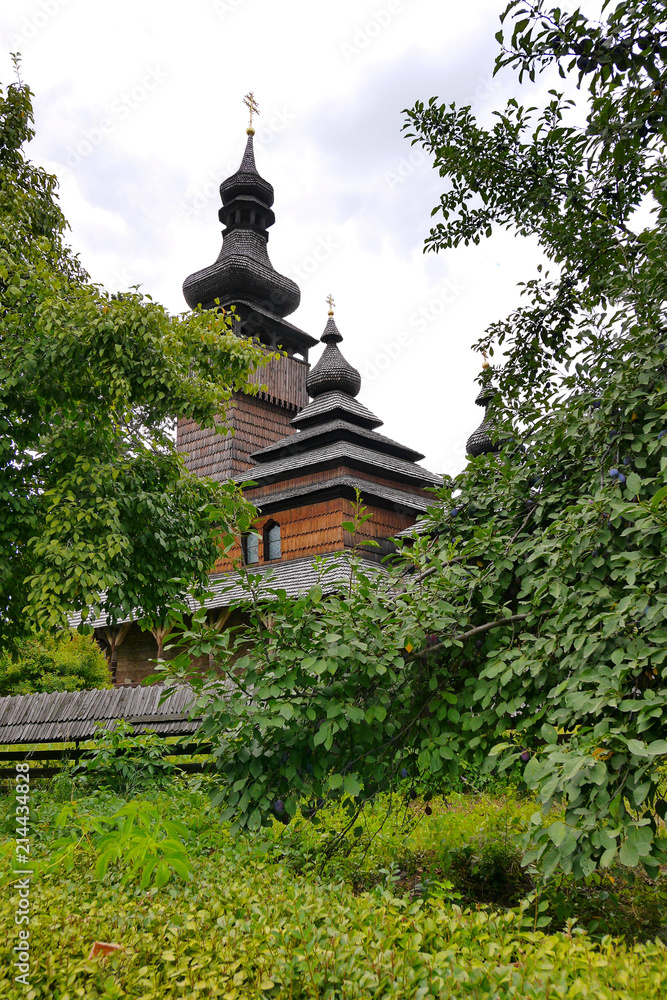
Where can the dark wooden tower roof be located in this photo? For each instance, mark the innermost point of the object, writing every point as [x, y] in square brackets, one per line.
[335, 439]
[479, 442]
[243, 275]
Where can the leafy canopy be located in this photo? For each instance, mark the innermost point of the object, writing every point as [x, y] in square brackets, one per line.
[44, 662]
[529, 622]
[98, 512]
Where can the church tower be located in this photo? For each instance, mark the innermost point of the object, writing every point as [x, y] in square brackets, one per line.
[307, 442]
[307, 482]
[244, 277]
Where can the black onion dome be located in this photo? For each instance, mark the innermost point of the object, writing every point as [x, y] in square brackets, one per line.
[246, 181]
[479, 442]
[243, 269]
[332, 373]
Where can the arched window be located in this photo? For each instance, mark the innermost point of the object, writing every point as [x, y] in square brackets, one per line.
[251, 549]
[271, 541]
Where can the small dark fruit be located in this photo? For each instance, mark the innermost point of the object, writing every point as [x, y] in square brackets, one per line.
[404, 772]
[279, 806]
[413, 794]
[428, 810]
[525, 756]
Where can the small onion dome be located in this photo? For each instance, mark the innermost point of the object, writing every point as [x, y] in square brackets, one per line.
[479, 442]
[332, 373]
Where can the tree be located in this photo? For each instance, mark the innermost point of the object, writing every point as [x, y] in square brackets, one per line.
[68, 662]
[529, 624]
[98, 512]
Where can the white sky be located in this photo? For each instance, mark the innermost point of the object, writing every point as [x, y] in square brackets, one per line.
[139, 112]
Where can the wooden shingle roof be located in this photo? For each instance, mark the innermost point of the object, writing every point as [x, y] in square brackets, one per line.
[295, 577]
[344, 453]
[335, 430]
[345, 486]
[61, 716]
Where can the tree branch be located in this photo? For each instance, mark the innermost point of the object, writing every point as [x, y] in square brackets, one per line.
[462, 636]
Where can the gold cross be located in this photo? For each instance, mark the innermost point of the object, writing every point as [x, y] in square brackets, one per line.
[331, 302]
[486, 360]
[252, 106]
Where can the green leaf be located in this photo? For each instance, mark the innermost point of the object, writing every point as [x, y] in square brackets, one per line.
[628, 854]
[557, 832]
[352, 785]
[549, 734]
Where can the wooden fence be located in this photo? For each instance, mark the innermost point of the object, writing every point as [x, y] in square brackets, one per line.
[79, 756]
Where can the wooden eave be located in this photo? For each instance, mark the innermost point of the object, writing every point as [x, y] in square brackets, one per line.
[341, 486]
[331, 456]
[335, 430]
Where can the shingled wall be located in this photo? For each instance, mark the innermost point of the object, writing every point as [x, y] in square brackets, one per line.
[257, 421]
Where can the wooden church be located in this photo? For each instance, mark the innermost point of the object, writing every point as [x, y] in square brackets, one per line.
[305, 440]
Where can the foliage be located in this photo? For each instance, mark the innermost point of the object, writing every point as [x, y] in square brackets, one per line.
[125, 762]
[242, 925]
[527, 626]
[138, 835]
[98, 511]
[44, 662]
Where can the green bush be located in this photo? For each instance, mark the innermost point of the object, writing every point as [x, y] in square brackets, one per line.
[64, 662]
[125, 762]
[243, 926]
[236, 921]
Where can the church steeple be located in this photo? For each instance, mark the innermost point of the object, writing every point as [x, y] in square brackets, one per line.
[479, 442]
[332, 373]
[243, 273]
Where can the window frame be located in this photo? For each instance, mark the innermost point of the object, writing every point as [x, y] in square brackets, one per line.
[267, 541]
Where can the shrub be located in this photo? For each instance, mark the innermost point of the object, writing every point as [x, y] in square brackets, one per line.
[125, 762]
[64, 662]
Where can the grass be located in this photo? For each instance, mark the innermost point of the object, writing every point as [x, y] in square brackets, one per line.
[408, 905]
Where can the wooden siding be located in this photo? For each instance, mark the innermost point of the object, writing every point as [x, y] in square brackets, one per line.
[256, 423]
[317, 528]
[309, 530]
[138, 653]
[285, 381]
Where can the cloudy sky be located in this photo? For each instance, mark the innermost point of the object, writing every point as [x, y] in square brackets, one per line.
[139, 112]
